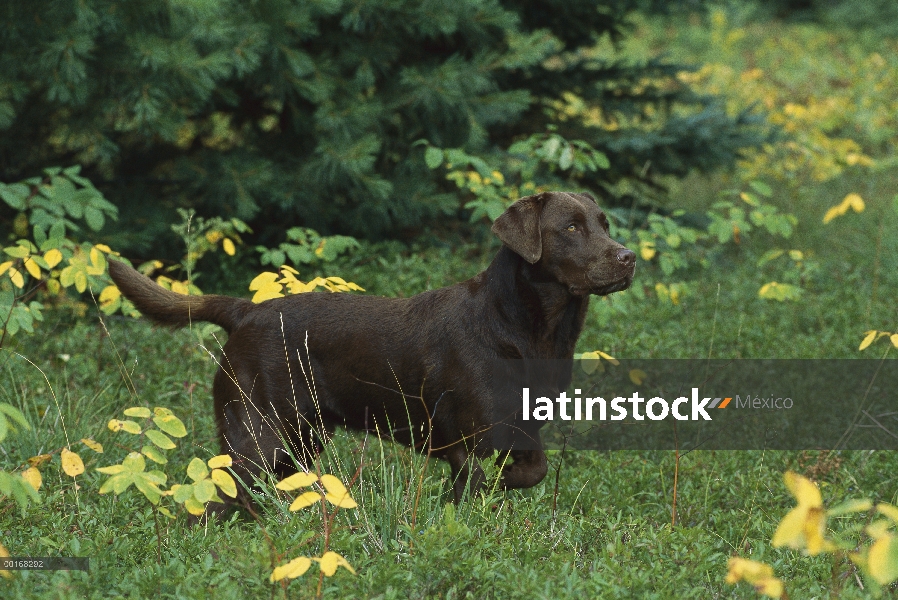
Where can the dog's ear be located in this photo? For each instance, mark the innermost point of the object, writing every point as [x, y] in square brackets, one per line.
[589, 196]
[518, 227]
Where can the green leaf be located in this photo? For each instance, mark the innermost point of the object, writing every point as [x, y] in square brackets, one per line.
[433, 157]
[567, 158]
[850, 506]
[160, 439]
[204, 490]
[602, 160]
[14, 195]
[169, 423]
[57, 231]
[157, 477]
[197, 470]
[134, 463]
[114, 484]
[112, 469]
[94, 218]
[147, 488]
[17, 251]
[15, 414]
[182, 493]
[154, 454]
[761, 187]
[138, 411]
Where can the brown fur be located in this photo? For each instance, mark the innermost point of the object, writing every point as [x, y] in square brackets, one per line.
[417, 368]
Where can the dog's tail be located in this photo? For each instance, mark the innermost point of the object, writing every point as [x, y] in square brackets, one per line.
[168, 308]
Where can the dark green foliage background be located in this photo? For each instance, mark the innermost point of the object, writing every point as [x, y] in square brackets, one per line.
[286, 113]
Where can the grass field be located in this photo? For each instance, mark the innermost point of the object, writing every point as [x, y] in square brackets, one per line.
[603, 532]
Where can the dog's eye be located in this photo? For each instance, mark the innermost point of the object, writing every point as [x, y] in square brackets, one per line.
[572, 227]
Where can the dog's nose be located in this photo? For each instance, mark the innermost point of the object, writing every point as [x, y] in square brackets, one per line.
[627, 257]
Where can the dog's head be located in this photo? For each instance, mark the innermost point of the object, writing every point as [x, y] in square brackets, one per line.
[565, 236]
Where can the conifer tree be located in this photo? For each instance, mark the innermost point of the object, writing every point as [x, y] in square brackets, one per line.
[286, 112]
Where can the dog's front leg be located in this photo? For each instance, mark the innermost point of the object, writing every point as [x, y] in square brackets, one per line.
[528, 467]
[466, 471]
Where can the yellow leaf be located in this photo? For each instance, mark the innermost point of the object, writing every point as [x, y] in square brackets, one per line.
[291, 570]
[852, 201]
[330, 561]
[97, 262]
[214, 236]
[4, 553]
[32, 267]
[269, 294]
[341, 500]
[894, 338]
[104, 248]
[304, 500]
[262, 280]
[647, 250]
[868, 339]
[608, 357]
[855, 202]
[220, 461]
[80, 281]
[194, 506]
[832, 213]
[224, 482]
[71, 463]
[180, 288]
[637, 376]
[297, 480]
[228, 246]
[129, 426]
[36, 461]
[882, 560]
[52, 257]
[16, 277]
[266, 287]
[790, 531]
[805, 525]
[889, 511]
[803, 489]
[5, 267]
[95, 446]
[337, 494]
[33, 477]
[758, 574]
[770, 586]
[110, 293]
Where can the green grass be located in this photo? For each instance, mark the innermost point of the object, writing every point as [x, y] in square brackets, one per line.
[608, 535]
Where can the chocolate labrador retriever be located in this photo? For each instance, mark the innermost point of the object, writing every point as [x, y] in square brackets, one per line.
[417, 367]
